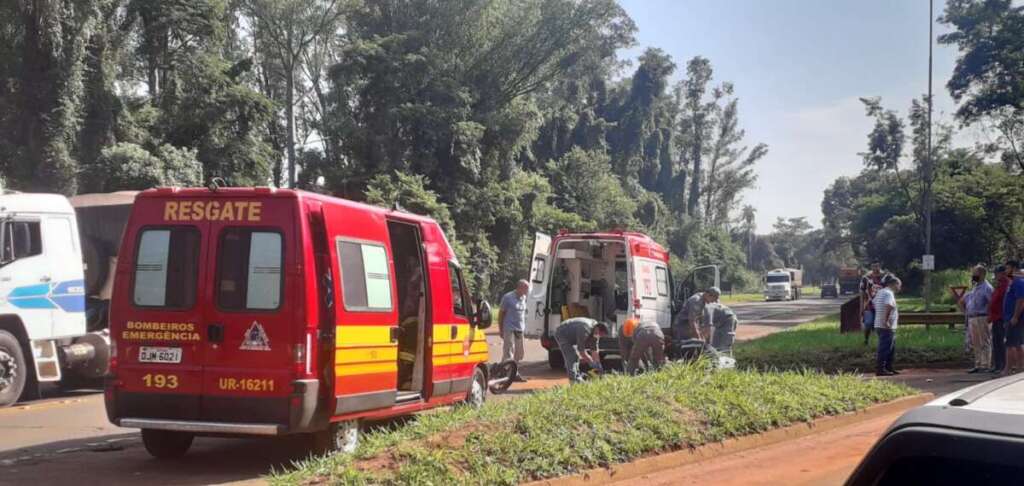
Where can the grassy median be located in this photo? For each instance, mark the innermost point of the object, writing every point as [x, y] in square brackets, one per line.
[819, 346]
[568, 429]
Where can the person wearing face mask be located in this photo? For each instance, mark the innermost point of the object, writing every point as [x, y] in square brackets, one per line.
[975, 306]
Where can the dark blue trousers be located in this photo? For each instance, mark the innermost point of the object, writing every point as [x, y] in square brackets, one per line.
[998, 345]
[886, 348]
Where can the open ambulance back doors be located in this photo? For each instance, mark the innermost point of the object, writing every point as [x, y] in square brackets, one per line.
[609, 277]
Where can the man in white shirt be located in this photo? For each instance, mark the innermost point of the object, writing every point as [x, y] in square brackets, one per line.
[886, 319]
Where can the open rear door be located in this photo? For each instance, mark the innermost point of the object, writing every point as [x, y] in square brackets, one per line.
[540, 276]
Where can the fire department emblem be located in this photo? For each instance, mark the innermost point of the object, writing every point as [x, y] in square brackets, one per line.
[255, 338]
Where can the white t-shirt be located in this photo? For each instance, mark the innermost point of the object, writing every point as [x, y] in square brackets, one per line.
[882, 299]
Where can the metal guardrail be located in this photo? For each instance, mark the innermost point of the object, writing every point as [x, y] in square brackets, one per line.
[850, 318]
[929, 319]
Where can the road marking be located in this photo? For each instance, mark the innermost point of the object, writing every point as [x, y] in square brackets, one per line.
[40, 406]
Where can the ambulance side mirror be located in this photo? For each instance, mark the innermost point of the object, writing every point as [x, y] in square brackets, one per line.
[483, 316]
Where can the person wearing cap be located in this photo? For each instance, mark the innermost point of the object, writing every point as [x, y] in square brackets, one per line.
[647, 338]
[578, 339]
[690, 318]
[995, 316]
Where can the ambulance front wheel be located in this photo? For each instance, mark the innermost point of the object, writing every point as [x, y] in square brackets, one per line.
[477, 394]
[166, 444]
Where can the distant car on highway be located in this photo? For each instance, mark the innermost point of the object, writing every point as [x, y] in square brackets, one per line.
[829, 290]
[973, 436]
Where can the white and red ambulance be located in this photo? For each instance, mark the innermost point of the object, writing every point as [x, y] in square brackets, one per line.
[609, 277]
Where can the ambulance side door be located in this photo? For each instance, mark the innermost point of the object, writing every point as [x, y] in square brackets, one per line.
[540, 278]
[652, 291]
[365, 296]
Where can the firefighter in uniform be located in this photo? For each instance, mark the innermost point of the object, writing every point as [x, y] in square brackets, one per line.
[578, 340]
[647, 338]
[692, 316]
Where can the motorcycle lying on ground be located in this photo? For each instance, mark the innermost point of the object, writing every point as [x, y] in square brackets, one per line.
[501, 376]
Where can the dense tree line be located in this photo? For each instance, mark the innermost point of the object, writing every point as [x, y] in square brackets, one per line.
[977, 200]
[500, 118]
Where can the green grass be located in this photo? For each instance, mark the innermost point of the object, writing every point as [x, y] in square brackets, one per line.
[916, 304]
[744, 297]
[568, 429]
[741, 298]
[818, 345]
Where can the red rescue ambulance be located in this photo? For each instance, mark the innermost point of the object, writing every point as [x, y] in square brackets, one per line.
[609, 277]
[270, 312]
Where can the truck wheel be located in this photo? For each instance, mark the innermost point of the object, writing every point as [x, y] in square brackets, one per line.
[13, 369]
[477, 394]
[166, 444]
[555, 359]
[338, 437]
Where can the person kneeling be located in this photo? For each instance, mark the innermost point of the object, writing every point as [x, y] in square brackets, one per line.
[578, 340]
[647, 337]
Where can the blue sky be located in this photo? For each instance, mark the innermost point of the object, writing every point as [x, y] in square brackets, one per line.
[799, 67]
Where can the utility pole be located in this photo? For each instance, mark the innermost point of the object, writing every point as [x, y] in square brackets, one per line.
[928, 168]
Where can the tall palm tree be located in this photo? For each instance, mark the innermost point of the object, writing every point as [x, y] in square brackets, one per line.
[749, 214]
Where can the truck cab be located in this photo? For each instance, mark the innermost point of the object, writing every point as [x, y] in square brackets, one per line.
[255, 311]
[782, 284]
[42, 294]
[55, 284]
[608, 277]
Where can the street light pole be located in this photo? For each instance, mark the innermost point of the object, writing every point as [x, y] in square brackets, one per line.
[929, 167]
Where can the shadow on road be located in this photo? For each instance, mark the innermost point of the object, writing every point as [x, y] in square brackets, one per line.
[122, 459]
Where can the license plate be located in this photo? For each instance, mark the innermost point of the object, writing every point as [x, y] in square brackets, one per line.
[155, 354]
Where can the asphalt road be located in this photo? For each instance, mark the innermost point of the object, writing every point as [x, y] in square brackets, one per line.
[66, 439]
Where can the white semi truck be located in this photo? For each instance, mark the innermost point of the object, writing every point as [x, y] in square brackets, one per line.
[783, 284]
[56, 258]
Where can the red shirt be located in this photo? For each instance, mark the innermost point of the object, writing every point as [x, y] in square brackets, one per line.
[995, 306]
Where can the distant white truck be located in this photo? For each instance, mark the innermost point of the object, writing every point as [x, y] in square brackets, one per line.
[54, 288]
[783, 284]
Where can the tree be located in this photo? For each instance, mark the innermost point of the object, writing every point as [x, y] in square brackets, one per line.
[286, 31]
[583, 184]
[709, 142]
[49, 40]
[749, 219]
[986, 80]
[695, 123]
[129, 166]
[788, 237]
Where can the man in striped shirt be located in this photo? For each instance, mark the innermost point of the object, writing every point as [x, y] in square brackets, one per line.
[886, 319]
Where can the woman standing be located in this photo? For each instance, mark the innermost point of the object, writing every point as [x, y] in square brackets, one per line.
[886, 319]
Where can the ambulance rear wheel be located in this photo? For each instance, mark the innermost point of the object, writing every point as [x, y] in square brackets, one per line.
[166, 444]
[13, 369]
[555, 359]
[339, 437]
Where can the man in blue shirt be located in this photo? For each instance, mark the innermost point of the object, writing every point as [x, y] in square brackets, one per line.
[512, 323]
[1013, 306]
